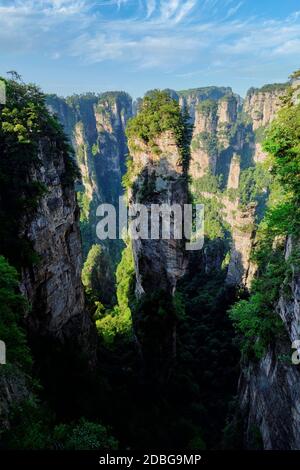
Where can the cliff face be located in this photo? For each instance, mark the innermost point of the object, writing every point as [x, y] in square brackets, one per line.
[226, 141]
[96, 127]
[41, 238]
[262, 105]
[157, 178]
[269, 393]
[53, 285]
[214, 120]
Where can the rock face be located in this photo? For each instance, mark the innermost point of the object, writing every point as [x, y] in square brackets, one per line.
[96, 127]
[262, 104]
[269, 392]
[240, 269]
[158, 178]
[53, 285]
[13, 390]
[61, 335]
[226, 141]
[211, 135]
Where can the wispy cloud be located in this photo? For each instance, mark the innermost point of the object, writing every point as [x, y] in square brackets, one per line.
[233, 10]
[151, 7]
[159, 34]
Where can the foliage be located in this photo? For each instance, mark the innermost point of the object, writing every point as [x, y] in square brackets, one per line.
[214, 224]
[269, 88]
[12, 306]
[97, 276]
[208, 183]
[255, 318]
[295, 75]
[129, 175]
[160, 113]
[254, 183]
[30, 424]
[84, 435]
[260, 134]
[117, 322]
[207, 358]
[84, 204]
[95, 149]
[204, 93]
[33, 429]
[283, 144]
[25, 124]
[208, 108]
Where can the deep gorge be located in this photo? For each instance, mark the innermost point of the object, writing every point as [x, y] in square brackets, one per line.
[141, 344]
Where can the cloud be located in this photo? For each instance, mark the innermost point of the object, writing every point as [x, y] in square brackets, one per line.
[289, 47]
[232, 11]
[151, 7]
[184, 10]
[147, 52]
[164, 35]
[40, 24]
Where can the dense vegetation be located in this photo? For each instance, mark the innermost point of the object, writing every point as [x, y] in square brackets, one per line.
[29, 134]
[13, 307]
[186, 406]
[255, 318]
[24, 122]
[97, 276]
[269, 88]
[169, 404]
[116, 323]
[160, 113]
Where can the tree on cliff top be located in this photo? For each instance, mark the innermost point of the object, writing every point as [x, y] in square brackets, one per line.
[160, 113]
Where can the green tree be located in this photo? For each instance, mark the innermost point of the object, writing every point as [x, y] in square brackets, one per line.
[97, 276]
[118, 321]
[84, 435]
[255, 319]
[12, 309]
[25, 125]
[160, 113]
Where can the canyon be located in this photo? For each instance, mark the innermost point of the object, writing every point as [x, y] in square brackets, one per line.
[219, 163]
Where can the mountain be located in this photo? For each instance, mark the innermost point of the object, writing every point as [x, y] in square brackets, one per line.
[96, 126]
[170, 348]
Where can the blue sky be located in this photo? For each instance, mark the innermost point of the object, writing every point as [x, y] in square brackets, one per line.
[69, 46]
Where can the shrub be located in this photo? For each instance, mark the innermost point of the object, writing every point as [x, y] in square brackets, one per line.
[84, 435]
[12, 306]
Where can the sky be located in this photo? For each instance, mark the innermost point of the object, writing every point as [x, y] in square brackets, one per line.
[75, 46]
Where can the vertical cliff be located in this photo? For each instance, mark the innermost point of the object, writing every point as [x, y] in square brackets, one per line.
[159, 180]
[226, 141]
[268, 388]
[214, 120]
[225, 149]
[261, 105]
[157, 175]
[53, 284]
[96, 127]
[40, 236]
